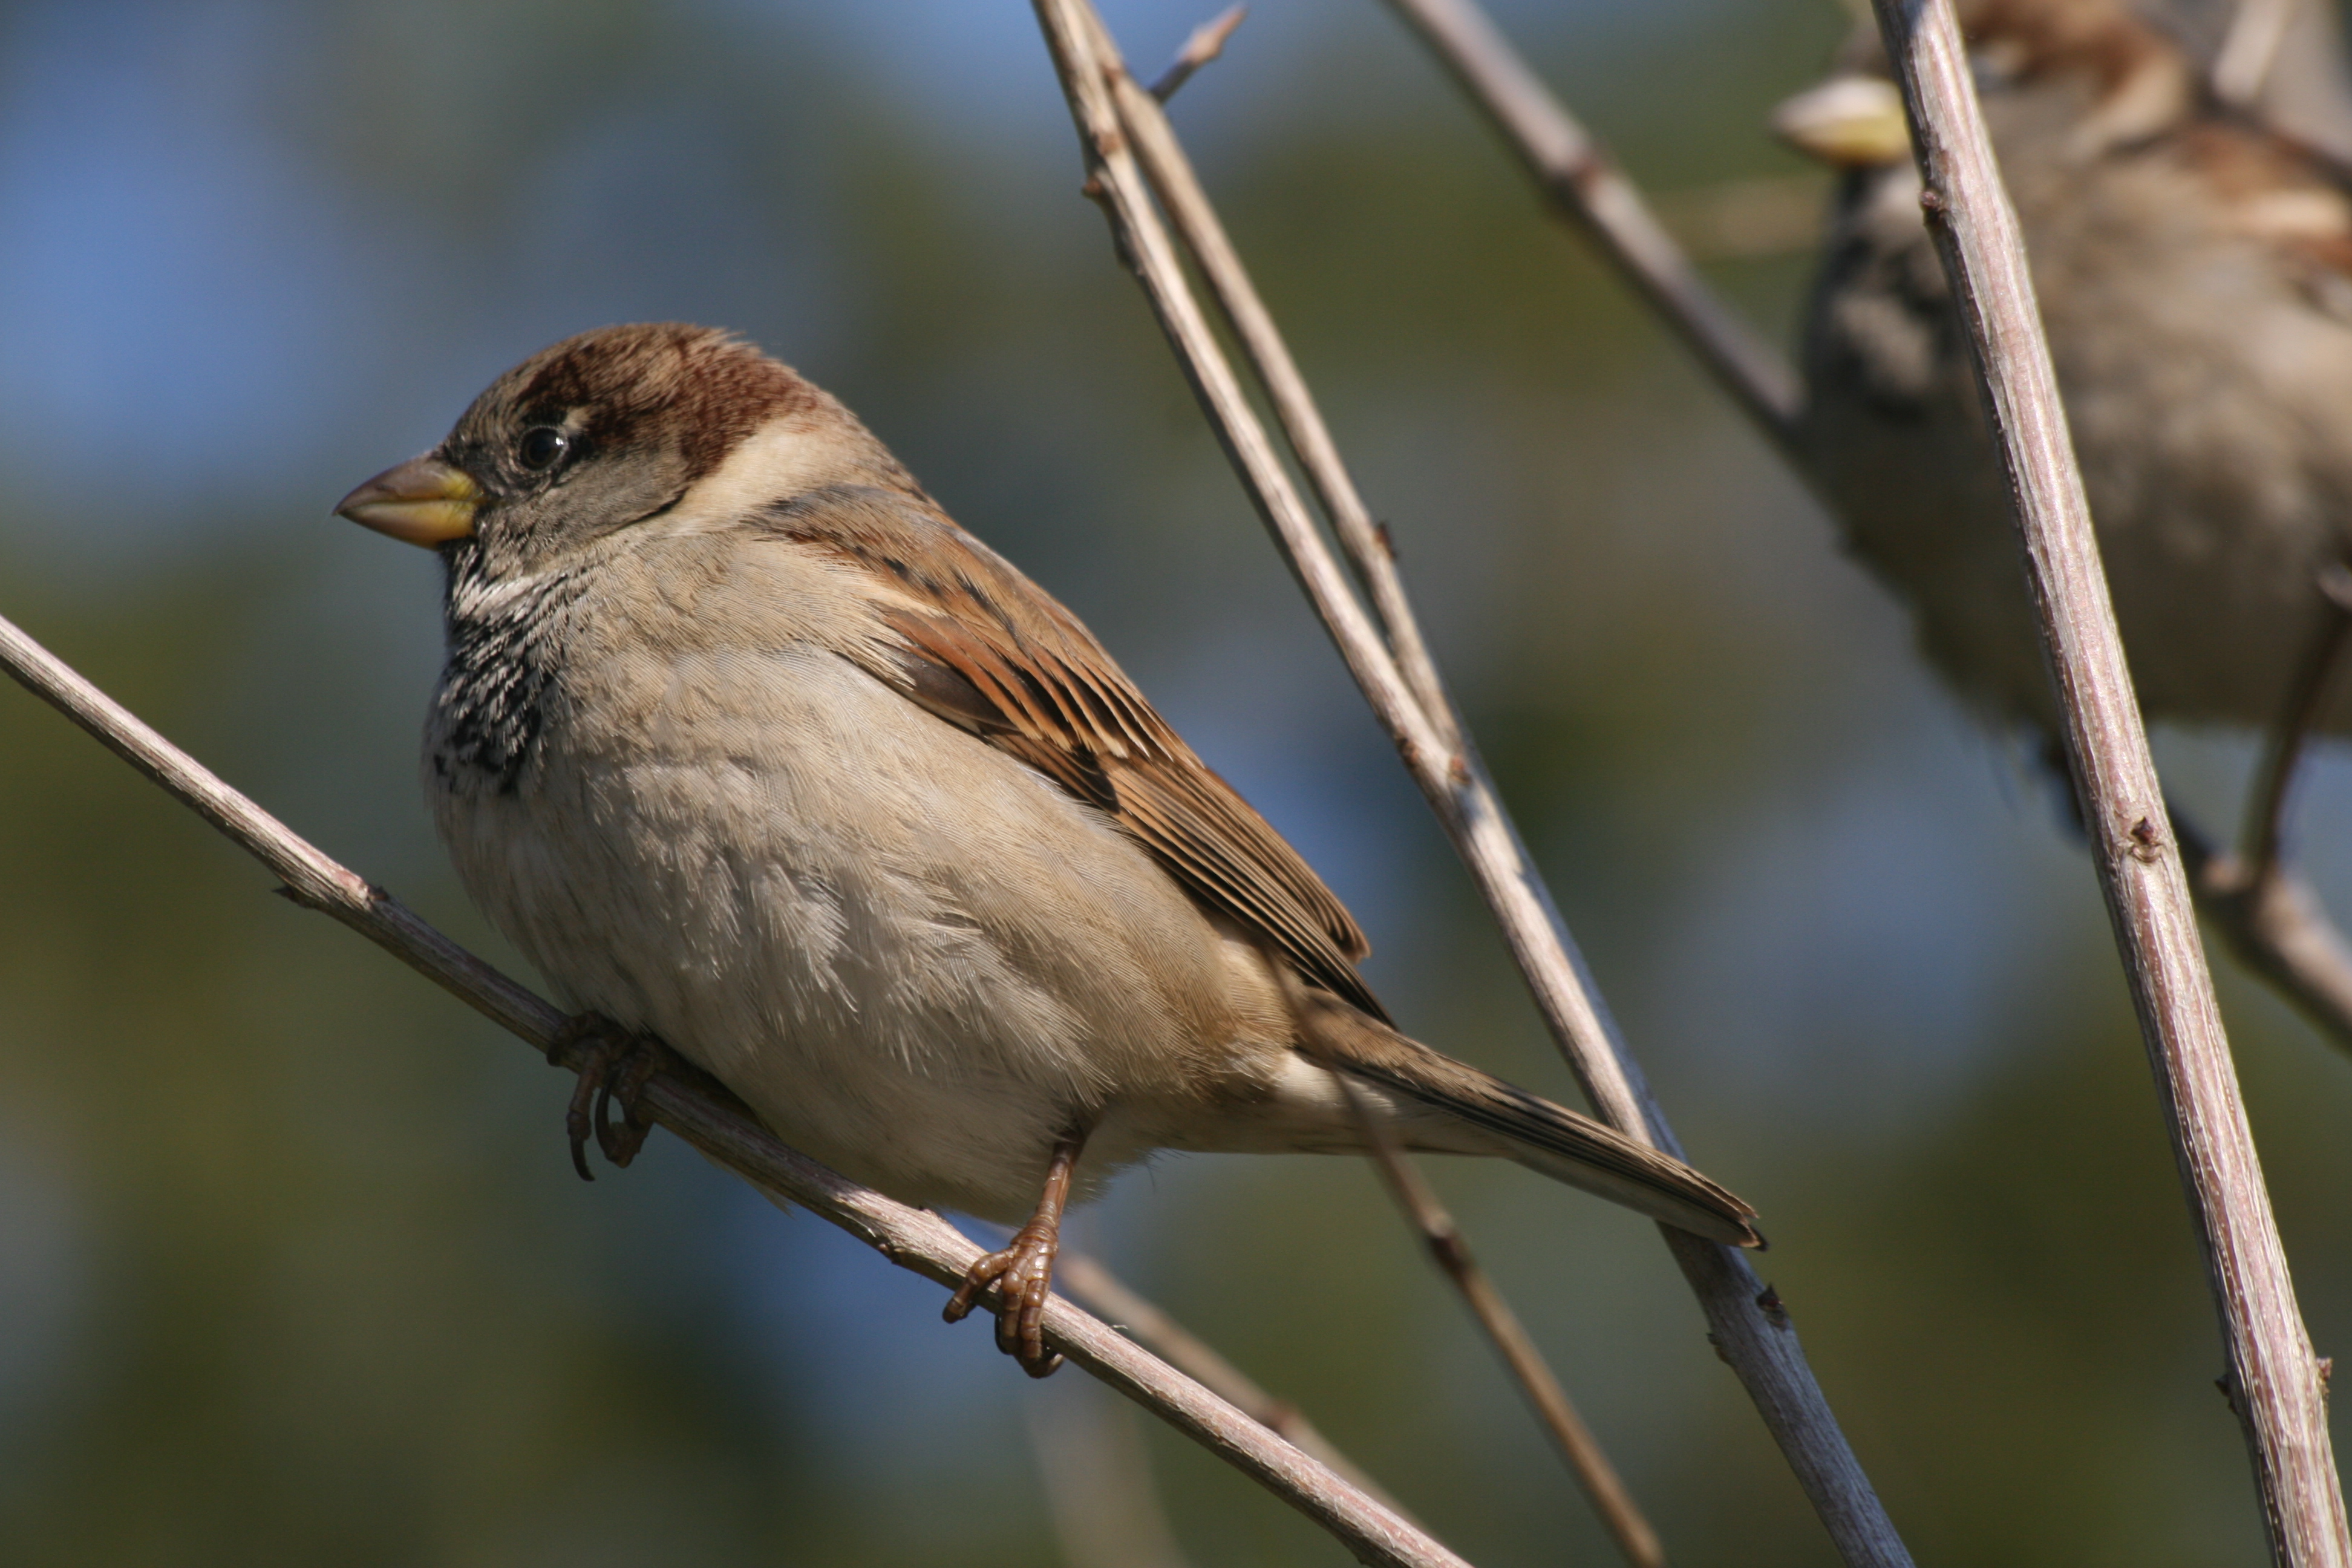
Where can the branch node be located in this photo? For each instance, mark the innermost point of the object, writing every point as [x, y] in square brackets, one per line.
[1769, 1302]
[1207, 42]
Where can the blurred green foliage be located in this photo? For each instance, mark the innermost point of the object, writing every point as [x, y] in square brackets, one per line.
[295, 1268]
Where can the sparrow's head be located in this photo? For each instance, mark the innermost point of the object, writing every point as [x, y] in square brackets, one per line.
[2095, 78]
[603, 431]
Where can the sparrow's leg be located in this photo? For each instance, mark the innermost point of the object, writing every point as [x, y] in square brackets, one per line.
[1023, 1272]
[620, 1064]
[2266, 811]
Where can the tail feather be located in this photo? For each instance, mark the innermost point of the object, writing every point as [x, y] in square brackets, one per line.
[1528, 1128]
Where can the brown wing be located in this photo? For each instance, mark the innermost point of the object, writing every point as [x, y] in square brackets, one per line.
[969, 638]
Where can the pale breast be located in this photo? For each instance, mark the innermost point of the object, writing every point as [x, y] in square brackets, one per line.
[917, 959]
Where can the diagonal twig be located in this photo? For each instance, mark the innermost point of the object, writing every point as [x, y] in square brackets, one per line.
[1749, 1327]
[1587, 187]
[1086, 1277]
[721, 1128]
[1207, 42]
[1602, 1485]
[2274, 1382]
[2276, 926]
[1366, 541]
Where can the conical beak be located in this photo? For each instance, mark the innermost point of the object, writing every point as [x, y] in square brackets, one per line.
[424, 501]
[1848, 122]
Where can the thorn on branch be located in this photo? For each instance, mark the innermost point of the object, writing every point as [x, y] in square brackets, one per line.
[1207, 42]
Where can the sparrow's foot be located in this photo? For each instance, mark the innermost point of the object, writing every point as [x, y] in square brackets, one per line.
[1023, 1277]
[620, 1064]
[1023, 1273]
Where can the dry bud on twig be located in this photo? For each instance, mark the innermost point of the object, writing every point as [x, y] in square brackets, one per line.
[1207, 42]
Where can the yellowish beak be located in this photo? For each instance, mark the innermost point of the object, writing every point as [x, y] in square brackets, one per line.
[423, 501]
[1848, 122]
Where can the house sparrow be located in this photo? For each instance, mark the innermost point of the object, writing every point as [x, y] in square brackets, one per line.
[753, 751]
[2195, 276]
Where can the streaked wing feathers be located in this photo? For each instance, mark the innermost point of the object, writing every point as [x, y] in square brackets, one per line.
[973, 641]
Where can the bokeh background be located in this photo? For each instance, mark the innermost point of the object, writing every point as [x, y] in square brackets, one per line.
[293, 1268]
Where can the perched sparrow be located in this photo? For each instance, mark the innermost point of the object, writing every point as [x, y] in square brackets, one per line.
[2195, 274]
[750, 749]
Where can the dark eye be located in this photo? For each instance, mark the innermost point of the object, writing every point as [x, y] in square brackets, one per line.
[541, 447]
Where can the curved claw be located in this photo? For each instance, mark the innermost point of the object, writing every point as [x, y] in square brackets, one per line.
[619, 1066]
[1022, 1275]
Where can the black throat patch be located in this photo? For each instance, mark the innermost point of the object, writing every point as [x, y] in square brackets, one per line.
[492, 707]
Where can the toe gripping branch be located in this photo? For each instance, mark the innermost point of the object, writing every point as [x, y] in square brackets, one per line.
[617, 1067]
[1023, 1273]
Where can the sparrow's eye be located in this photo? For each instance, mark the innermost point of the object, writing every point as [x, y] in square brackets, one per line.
[541, 447]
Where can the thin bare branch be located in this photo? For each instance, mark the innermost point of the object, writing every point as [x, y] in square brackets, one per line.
[1139, 1320]
[722, 1129]
[2276, 926]
[1582, 1451]
[1367, 544]
[2314, 683]
[2274, 1381]
[1207, 42]
[1586, 185]
[1749, 1326]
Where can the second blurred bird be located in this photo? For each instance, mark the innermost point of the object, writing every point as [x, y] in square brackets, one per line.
[2195, 274]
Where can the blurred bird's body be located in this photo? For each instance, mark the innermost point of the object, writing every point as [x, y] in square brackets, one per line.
[2195, 276]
